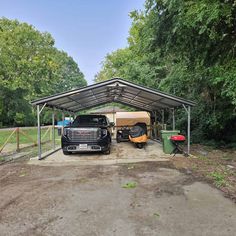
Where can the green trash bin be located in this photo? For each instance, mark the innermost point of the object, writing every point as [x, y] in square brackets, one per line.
[167, 144]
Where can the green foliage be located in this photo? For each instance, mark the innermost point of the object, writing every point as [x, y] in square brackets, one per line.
[130, 185]
[19, 119]
[30, 67]
[186, 48]
[114, 65]
[219, 178]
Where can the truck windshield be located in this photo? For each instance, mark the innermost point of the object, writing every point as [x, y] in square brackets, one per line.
[89, 120]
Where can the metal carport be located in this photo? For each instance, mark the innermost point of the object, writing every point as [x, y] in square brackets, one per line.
[114, 90]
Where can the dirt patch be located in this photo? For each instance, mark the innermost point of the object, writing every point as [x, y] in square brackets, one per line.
[217, 167]
[169, 190]
[90, 200]
[132, 169]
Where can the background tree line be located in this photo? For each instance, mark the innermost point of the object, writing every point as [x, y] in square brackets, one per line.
[186, 48]
[30, 67]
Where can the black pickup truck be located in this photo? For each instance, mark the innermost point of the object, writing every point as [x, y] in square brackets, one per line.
[87, 133]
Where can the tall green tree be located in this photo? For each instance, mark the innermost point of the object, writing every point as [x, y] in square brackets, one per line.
[187, 48]
[30, 67]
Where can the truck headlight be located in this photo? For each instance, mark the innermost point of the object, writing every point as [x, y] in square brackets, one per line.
[65, 132]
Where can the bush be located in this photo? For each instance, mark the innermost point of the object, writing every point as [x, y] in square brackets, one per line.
[19, 119]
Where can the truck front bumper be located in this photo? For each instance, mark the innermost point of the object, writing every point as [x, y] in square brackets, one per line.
[95, 146]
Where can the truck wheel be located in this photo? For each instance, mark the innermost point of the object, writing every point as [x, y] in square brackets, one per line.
[66, 152]
[107, 152]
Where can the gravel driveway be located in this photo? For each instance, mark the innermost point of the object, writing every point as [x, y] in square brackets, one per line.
[90, 200]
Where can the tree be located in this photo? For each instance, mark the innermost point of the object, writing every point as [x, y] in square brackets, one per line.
[186, 48]
[30, 67]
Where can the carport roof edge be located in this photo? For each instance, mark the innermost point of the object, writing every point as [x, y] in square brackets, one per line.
[114, 90]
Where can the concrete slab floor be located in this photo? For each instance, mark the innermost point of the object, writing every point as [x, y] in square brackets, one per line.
[124, 152]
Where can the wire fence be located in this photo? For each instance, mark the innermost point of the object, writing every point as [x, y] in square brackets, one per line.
[15, 139]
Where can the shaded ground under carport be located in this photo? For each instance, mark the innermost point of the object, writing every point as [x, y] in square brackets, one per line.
[124, 152]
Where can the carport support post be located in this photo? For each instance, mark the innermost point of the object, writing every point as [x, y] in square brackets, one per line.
[39, 129]
[189, 117]
[188, 110]
[63, 118]
[173, 119]
[39, 132]
[53, 129]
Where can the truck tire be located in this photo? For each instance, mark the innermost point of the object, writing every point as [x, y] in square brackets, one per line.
[66, 152]
[107, 152]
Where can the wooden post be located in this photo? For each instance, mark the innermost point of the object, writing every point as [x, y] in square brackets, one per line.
[50, 133]
[17, 139]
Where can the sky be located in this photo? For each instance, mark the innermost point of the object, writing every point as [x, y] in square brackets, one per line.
[86, 29]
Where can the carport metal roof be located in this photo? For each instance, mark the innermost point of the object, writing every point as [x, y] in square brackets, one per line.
[114, 90]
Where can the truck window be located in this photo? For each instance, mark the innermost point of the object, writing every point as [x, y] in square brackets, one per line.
[89, 120]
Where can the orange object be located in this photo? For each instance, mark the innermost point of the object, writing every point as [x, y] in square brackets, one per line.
[141, 139]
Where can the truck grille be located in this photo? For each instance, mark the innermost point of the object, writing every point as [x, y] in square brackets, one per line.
[83, 134]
